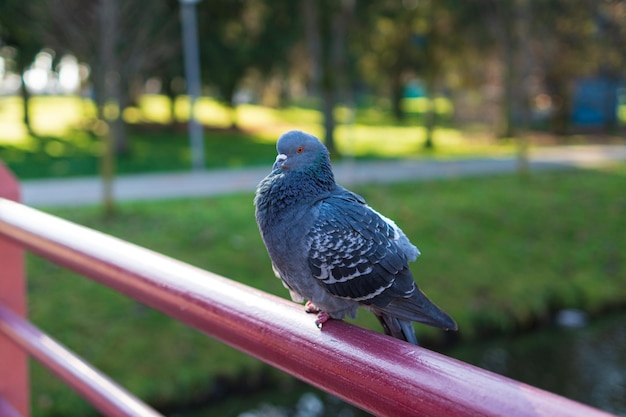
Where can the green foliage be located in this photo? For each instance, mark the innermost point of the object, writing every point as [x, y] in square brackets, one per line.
[498, 254]
[239, 37]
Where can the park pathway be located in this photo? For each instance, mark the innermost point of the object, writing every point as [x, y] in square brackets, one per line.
[88, 191]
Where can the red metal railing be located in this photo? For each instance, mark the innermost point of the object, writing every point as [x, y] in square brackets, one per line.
[13, 360]
[104, 394]
[377, 373]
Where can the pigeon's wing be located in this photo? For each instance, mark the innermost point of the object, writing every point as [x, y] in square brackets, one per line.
[355, 254]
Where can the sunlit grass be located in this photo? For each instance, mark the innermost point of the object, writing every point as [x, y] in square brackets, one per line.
[372, 132]
[50, 116]
[423, 104]
[12, 130]
[155, 108]
[65, 139]
[404, 141]
[210, 112]
[55, 116]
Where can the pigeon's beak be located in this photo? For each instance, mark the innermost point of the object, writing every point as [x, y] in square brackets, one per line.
[280, 160]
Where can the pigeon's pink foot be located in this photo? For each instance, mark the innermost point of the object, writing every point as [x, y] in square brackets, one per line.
[322, 317]
[309, 307]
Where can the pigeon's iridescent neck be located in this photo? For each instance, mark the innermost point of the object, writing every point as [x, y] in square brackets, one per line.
[281, 191]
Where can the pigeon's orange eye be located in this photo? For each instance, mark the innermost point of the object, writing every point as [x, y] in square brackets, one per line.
[300, 149]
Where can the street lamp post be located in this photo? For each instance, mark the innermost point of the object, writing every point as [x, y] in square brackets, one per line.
[192, 76]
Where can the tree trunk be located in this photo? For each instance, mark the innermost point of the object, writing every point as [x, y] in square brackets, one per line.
[312, 34]
[318, 30]
[328, 106]
[234, 116]
[522, 20]
[429, 125]
[26, 104]
[326, 26]
[109, 92]
[430, 117]
[560, 119]
[397, 90]
[171, 95]
[507, 123]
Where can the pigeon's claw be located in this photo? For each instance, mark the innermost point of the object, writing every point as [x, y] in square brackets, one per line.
[309, 307]
[322, 317]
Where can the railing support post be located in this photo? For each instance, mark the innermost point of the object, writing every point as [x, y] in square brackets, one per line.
[14, 388]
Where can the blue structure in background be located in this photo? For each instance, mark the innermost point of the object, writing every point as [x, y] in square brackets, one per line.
[595, 102]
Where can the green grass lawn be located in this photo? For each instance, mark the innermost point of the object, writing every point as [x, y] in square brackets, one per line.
[498, 255]
[66, 141]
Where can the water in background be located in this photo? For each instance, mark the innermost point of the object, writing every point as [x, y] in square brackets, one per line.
[586, 363]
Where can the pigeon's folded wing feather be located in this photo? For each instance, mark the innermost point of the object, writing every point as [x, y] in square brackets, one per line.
[355, 254]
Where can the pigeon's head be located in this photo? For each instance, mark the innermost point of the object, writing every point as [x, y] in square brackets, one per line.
[298, 150]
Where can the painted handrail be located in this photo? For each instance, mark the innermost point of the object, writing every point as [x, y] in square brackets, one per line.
[14, 382]
[7, 409]
[379, 374]
[105, 395]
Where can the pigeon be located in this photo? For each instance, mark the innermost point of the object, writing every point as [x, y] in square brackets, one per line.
[330, 248]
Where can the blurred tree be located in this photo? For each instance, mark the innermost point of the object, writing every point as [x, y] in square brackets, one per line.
[391, 51]
[541, 46]
[110, 93]
[240, 36]
[327, 23]
[19, 28]
[409, 39]
[144, 40]
[546, 45]
[170, 71]
[508, 23]
[444, 43]
[563, 44]
[124, 42]
[503, 19]
[611, 33]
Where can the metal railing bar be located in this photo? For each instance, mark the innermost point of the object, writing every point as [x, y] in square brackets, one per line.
[379, 374]
[7, 410]
[103, 393]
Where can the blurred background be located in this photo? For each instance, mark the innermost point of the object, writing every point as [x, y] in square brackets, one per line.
[531, 264]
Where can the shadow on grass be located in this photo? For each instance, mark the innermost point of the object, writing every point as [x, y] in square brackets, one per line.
[149, 150]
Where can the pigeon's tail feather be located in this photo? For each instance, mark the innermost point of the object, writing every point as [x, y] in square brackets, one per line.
[398, 328]
[420, 309]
